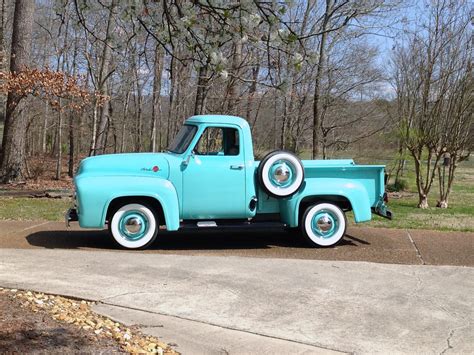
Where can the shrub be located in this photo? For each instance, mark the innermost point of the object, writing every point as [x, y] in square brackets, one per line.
[398, 185]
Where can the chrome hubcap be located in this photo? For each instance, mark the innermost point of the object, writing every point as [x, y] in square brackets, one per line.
[325, 224]
[133, 225]
[282, 173]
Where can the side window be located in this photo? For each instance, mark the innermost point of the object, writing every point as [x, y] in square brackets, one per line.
[218, 141]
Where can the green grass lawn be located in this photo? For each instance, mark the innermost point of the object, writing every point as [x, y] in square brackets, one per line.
[33, 209]
[458, 217]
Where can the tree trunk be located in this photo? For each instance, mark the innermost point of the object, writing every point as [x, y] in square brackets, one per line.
[318, 79]
[3, 58]
[102, 83]
[442, 204]
[12, 161]
[200, 103]
[59, 135]
[70, 170]
[252, 91]
[44, 134]
[93, 147]
[124, 120]
[71, 124]
[59, 162]
[156, 108]
[138, 99]
[422, 200]
[233, 91]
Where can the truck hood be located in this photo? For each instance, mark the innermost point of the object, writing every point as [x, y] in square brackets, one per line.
[133, 164]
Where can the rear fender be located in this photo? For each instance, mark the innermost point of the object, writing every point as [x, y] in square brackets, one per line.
[352, 190]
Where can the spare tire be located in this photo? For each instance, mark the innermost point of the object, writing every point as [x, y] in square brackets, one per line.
[280, 173]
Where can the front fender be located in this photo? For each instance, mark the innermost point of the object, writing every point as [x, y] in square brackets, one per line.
[354, 191]
[95, 193]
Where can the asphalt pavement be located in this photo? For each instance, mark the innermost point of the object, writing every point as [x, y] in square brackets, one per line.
[243, 292]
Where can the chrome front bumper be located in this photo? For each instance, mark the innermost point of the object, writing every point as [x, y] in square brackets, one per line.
[71, 216]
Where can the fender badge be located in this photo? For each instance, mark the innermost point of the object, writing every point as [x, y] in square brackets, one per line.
[154, 169]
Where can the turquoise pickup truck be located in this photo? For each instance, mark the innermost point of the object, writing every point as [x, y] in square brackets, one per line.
[209, 178]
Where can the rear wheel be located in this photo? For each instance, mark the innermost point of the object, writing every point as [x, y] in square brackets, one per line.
[134, 226]
[324, 224]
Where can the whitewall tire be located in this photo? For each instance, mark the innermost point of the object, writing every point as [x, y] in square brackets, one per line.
[281, 174]
[324, 224]
[134, 226]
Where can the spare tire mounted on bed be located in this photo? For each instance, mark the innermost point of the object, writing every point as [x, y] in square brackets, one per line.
[281, 173]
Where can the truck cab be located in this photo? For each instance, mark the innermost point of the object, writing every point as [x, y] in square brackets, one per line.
[217, 168]
[209, 177]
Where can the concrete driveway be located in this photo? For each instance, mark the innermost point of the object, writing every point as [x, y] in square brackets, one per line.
[280, 299]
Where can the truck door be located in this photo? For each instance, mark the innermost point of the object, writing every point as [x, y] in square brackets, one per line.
[214, 178]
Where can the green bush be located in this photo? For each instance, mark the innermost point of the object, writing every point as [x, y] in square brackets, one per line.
[398, 185]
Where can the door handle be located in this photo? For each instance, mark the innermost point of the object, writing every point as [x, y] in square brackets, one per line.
[237, 167]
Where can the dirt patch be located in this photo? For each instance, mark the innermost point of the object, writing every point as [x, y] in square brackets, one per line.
[39, 323]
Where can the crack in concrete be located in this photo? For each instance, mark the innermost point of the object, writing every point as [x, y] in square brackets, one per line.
[316, 345]
[417, 251]
[451, 333]
[123, 294]
[450, 336]
[146, 326]
[419, 285]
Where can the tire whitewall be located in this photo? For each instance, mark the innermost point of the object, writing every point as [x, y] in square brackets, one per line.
[134, 226]
[281, 174]
[324, 224]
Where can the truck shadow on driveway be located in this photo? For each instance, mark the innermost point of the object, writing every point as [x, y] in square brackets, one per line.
[181, 240]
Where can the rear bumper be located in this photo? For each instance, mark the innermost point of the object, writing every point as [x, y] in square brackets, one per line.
[382, 210]
[71, 216]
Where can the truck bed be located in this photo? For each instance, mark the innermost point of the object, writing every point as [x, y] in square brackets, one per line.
[321, 171]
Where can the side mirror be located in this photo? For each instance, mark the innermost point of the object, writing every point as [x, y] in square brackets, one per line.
[188, 158]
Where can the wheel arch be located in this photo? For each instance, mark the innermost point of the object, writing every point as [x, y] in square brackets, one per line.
[166, 206]
[346, 194]
[339, 200]
[154, 203]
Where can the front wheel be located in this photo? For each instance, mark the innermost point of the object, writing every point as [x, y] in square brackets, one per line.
[324, 224]
[134, 226]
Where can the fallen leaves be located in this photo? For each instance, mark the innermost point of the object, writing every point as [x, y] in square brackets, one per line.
[80, 314]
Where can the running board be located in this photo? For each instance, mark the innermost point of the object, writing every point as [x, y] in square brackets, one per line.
[204, 224]
[230, 224]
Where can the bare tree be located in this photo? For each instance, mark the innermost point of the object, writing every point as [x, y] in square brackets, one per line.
[102, 82]
[458, 130]
[156, 106]
[12, 160]
[3, 55]
[431, 94]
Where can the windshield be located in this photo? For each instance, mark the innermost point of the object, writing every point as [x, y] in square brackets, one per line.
[181, 142]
